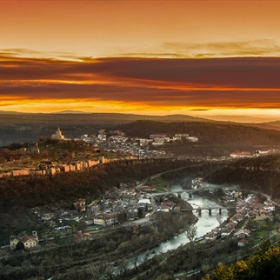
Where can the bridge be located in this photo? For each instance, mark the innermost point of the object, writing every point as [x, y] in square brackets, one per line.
[209, 209]
[187, 191]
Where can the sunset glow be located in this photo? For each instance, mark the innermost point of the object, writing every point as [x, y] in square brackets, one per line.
[200, 58]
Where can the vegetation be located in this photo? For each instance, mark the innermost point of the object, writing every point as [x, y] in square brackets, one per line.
[263, 265]
[18, 194]
[208, 133]
[260, 174]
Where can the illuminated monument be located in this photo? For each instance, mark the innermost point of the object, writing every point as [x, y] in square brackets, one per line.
[58, 135]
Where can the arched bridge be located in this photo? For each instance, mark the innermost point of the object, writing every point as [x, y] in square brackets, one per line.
[209, 209]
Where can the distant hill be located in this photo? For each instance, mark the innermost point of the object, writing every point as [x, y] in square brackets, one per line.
[24, 127]
[106, 116]
[215, 138]
[208, 133]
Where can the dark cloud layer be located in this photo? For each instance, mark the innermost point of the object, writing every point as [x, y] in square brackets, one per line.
[220, 82]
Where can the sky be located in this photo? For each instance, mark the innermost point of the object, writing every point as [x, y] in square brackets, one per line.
[215, 59]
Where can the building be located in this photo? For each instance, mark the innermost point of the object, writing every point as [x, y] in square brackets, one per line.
[80, 205]
[29, 241]
[20, 172]
[58, 135]
[82, 236]
[158, 135]
[240, 155]
[105, 219]
[192, 139]
[148, 188]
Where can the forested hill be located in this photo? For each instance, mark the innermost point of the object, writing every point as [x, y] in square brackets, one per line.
[208, 133]
[259, 174]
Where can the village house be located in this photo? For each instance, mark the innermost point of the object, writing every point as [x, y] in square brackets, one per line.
[47, 216]
[228, 230]
[5, 174]
[242, 234]
[20, 172]
[82, 236]
[88, 220]
[237, 218]
[158, 135]
[197, 183]
[29, 241]
[269, 206]
[105, 219]
[244, 154]
[80, 205]
[262, 215]
[148, 188]
[180, 136]
[211, 235]
[192, 139]
[242, 242]
[163, 208]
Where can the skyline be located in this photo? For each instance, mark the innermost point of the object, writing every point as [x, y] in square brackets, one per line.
[182, 57]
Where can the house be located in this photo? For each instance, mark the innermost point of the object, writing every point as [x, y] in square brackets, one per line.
[80, 205]
[237, 218]
[5, 174]
[179, 136]
[210, 236]
[148, 188]
[242, 242]
[143, 202]
[88, 220]
[158, 135]
[158, 142]
[192, 139]
[197, 183]
[269, 206]
[242, 233]
[105, 219]
[47, 216]
[228, 230]
[163, 208]
[82, 236]
[240, 155]
[262, 215]
[29, 241]
[20, 172]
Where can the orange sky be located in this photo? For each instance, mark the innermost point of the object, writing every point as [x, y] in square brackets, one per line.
[69, 55]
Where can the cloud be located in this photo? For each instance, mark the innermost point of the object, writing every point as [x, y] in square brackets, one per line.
[192, 83]
[256, 48]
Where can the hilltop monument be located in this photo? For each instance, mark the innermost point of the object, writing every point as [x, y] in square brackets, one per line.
[58, 135]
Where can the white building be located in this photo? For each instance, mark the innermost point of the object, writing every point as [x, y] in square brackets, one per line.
[58, 135]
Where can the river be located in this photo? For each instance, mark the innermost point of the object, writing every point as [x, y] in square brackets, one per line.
[204, 224]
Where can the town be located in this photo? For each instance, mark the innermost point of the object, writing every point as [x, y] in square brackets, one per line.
[120, 146]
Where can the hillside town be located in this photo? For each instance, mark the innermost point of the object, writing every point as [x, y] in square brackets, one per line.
[135, 205]
[112, 141]
[249, 208]
[123, 148]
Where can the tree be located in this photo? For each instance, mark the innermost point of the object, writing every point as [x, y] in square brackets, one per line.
[82, 225]
[191, 232]
[19, 246]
